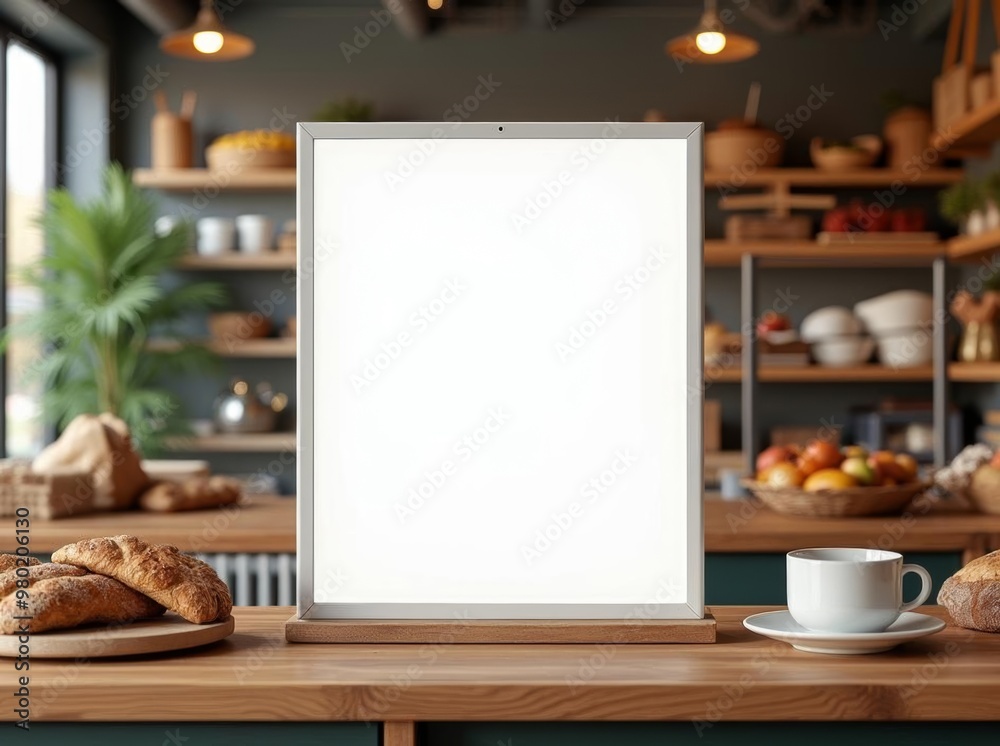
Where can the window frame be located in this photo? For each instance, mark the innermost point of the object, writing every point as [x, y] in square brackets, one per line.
[52, 140]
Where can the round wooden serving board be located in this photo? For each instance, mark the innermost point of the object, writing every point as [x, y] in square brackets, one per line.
[159, 635]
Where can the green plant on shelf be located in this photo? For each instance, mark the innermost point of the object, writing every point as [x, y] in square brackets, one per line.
[102, 283]
[959, 201]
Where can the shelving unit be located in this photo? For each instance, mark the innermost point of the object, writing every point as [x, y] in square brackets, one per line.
[234, 443]
[236, 262]
[824, 374]
[819, 179]
[973, 248]
[972, 134]
[974, 372]
[280, 347]
[723, 253]
[186, 179]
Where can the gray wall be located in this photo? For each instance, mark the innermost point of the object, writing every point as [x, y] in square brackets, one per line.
[593, 67]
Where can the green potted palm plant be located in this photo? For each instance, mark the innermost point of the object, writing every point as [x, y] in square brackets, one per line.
[101, 279]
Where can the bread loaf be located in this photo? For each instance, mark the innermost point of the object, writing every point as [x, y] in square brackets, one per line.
[100, 445]
[183, 584]
[31, 575]
[66, 602]
[197, 493]
[12, 561]
[972, 595]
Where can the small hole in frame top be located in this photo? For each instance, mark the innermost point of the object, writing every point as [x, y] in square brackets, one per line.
[500, 128]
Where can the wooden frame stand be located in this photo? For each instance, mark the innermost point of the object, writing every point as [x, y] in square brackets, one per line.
[503, 631]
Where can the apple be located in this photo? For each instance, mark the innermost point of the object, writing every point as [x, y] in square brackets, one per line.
[823, 453]
[909, 219]
[773, 455]
[855, 452]
[908, 465]
[859, 468]
[892, 473]
[772, 321]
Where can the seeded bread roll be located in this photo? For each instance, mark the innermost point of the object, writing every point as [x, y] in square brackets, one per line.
[11, 561]
[972, 595]
[31, 575]
[67, 602]
[182, 583]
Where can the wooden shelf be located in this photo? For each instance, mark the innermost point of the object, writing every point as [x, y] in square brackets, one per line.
[814, 177]
[283, 179]
[723, 253]
[186, 179]
[974, 372]
[973, 133]
[823, 374]
[973, 248]
[234, 261]
[234, 443]
[250, 348]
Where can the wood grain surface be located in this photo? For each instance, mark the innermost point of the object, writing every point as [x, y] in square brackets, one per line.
[254, 675]
[747, 526]
[145, 636]
[501, 631]
[263, 524]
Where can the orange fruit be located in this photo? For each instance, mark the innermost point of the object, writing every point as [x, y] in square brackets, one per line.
[784, 474]
[908, 465]
[829, 479]
[824, 453]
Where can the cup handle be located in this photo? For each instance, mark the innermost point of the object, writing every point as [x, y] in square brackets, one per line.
[925, 590]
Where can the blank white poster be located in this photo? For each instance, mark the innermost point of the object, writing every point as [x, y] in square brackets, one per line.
[500, 372]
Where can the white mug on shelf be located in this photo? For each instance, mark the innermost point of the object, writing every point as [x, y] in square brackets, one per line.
[850, 590]
[216, 236]
[256, 233]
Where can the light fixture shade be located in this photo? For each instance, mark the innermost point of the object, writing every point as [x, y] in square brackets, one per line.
[181, 43]
[737, 47]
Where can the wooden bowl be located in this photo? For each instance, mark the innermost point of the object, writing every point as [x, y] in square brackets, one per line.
[238, 325]
[222, 158]
[856, 501]
[743, 148]
[863, 151]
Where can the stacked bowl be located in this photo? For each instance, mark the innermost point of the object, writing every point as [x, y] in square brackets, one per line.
[836, 337]
[901, 322]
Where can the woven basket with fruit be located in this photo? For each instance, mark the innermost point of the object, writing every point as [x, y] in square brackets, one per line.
[823, 480]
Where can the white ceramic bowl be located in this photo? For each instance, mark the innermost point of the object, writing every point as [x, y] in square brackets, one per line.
[896, 312]
[911, 348]
[831, 321]
[843, 352]
[174, 470]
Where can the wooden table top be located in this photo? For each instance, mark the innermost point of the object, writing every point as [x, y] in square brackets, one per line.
[745, 526]
[255, 675]
[265, 523]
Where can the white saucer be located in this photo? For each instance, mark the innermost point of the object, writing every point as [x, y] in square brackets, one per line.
[779, 625]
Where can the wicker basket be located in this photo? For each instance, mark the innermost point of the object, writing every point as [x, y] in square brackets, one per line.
[854, 501]
[45, 496]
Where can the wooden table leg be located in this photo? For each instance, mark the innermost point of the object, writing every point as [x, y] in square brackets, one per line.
[399, 734]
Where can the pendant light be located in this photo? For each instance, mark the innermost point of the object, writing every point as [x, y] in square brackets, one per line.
[710, 42]
[207, 39]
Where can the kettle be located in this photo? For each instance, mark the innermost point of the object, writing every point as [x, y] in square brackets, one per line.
[239, 409]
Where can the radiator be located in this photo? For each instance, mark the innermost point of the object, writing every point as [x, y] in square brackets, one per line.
[256, 579]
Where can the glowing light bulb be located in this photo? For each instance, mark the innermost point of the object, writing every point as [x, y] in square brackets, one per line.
[435, 4]
[710, 42]
[207, 42]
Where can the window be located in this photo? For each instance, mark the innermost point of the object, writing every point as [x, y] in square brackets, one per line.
[28, 159]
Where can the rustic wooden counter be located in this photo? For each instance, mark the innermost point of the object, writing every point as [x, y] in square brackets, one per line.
[746, 526]
[267, 524]
[256, 676]
[264, 524]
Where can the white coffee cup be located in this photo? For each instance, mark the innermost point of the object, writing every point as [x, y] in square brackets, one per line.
[256, 233]
[216, 236]
[849, 590]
